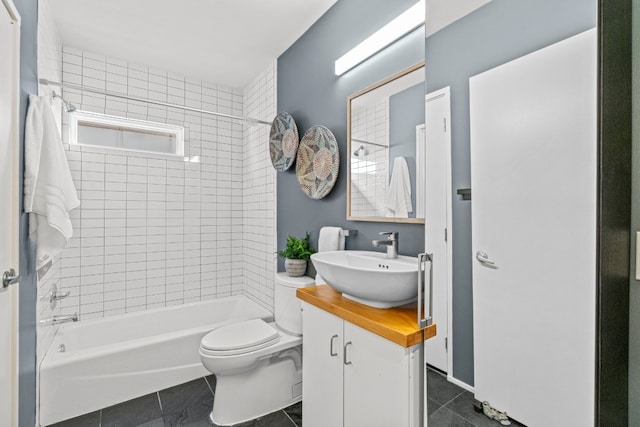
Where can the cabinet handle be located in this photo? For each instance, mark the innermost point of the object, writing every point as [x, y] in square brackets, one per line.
[331, 352]
[344, 359]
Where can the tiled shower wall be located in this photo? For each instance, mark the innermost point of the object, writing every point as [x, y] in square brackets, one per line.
[369, 171]
[157, 230]
[259, 191]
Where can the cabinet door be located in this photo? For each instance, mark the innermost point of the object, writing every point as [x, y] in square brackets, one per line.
[322, 345]
[376, 380]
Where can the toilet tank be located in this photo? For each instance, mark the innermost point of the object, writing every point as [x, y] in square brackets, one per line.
[288, 308]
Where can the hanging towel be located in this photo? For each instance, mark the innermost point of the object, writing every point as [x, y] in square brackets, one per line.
[399, 191]
[49, 193]
[329, 239]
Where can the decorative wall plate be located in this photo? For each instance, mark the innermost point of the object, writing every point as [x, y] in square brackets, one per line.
[318, 162]
[283, 141]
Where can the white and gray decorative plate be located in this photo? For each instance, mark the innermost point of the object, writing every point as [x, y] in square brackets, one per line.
[283, 141]
[318, 162]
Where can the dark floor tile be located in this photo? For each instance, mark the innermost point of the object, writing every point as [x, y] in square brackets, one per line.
[88, 420]
[463, 406]
[180, 397]
[153, 423]
[134, 413]
[252, 423]
[295, 413]
[439, 389]
[195, 415]
[211, 380]
[445, 418]
[276, 419]
[432, 406]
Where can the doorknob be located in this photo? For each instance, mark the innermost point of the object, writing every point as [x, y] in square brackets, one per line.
[9, 278]
[484, 259]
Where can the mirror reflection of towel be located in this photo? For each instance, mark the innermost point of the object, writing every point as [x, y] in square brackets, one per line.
[399, 192]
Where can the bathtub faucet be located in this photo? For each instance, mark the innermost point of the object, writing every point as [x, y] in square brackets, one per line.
[64, 318]
[391, 243]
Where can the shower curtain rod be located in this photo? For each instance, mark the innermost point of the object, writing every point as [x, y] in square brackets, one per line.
[149, 101]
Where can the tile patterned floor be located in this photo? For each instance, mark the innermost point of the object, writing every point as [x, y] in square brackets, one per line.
[451, 406]
[184, 405]
[189, 405]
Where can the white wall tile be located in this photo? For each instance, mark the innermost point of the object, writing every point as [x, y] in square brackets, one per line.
[170, 232]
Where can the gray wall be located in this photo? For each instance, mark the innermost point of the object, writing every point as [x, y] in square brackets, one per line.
[406, 111]
[309, 90]
[634, 306]
[28, 10]
[496, 33]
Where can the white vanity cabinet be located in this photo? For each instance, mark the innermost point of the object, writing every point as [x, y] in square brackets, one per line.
[355, 378]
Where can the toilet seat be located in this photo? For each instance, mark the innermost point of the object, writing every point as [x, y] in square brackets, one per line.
[238, 338]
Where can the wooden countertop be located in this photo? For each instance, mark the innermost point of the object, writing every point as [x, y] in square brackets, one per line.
[397, 324]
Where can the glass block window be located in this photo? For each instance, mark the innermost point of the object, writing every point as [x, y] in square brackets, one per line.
[121, 133]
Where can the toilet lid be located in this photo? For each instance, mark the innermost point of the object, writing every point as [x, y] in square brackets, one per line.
[241, 337]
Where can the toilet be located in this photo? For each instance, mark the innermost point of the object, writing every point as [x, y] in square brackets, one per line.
[258, 365]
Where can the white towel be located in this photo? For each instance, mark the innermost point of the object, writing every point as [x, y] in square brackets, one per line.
[329, 239]
[49, 193]
[399, 191]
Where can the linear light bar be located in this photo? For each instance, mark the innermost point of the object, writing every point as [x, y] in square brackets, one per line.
[408, 21]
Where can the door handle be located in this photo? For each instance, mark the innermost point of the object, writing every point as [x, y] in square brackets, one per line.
[484, 258]
[331, 352]
[344, 356]
[9, 278]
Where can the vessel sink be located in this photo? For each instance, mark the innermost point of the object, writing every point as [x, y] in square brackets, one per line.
[369, 277]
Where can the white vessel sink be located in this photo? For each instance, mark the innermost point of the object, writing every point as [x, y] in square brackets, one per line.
[369, 277]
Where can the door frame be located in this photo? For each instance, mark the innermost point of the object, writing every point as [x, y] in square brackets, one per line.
[446, 93]
[13, 204]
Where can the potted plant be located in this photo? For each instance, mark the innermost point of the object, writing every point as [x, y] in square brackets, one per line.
[296, 254]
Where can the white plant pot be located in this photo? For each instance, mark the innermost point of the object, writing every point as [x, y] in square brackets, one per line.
[295, 267]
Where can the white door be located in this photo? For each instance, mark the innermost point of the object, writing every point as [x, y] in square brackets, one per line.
[9, 148]
[437, 219]
[533, 177]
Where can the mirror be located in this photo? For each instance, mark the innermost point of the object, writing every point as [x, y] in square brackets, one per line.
[385, 140]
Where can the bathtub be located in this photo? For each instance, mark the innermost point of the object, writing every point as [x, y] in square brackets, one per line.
[112, 360]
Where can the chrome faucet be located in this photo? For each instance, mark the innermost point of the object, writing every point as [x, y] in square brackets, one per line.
[391, 243]
[63, 318]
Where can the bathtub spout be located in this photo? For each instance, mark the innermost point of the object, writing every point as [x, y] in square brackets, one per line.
[64, 318]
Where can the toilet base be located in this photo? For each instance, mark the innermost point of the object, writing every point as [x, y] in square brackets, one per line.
[273, 385]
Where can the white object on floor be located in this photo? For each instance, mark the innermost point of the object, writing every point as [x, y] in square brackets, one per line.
[49, 192]
[258, 365]
[399, 191]
[329, 239]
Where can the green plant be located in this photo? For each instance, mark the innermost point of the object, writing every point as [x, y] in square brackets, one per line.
[297, 248]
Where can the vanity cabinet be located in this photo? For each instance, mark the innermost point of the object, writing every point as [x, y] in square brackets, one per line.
[353, 377]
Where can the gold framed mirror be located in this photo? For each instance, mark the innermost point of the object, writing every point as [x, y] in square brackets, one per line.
[385, 149]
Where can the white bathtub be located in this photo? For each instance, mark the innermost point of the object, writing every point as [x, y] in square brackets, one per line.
[112, 360]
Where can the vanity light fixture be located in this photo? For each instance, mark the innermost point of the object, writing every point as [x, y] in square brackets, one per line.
[408, 21]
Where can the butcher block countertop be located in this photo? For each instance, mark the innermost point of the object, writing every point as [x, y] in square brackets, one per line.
[397, 324]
